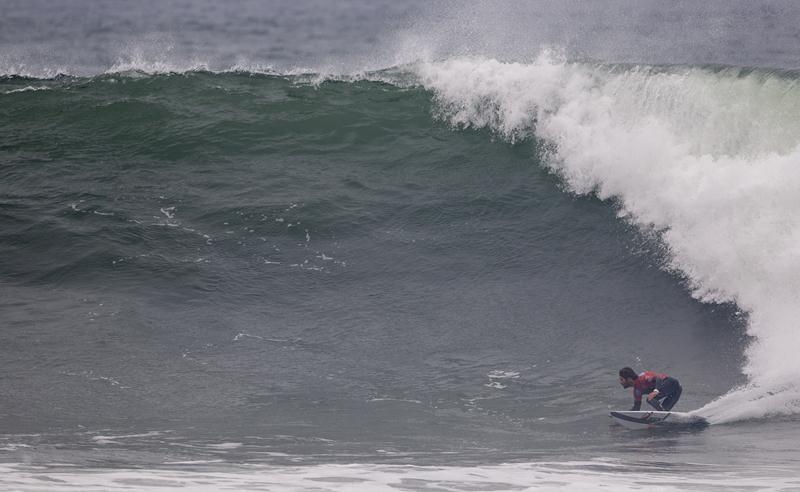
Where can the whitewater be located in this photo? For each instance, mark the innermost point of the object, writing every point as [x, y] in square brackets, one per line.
[574, 475]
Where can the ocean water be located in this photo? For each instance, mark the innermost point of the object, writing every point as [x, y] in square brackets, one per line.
[373, 245]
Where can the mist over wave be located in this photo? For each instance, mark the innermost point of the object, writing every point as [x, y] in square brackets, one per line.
[706, 159]
[85, 38]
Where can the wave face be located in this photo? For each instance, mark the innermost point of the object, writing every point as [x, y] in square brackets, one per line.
[321, 268]
[707, 159]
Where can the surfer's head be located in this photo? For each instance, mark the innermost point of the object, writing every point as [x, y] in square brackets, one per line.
[627, 377]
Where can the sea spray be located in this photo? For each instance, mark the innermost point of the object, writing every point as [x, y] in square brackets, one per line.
[709, 158]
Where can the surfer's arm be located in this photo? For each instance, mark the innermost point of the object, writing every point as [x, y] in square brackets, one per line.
[637, 399]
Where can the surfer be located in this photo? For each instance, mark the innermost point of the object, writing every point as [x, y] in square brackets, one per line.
[662, 391]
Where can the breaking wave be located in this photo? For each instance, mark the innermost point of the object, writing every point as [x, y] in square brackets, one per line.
[706, 158]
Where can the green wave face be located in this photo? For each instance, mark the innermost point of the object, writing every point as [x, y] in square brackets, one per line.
[200, 116]
[99, 159]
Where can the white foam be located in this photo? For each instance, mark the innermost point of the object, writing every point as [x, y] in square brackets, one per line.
[16, 65]
[14, 447]
[709, 159]
[242, 335]
[28, 88]
[498, 374]
[573, 476]
[115, 439]
[154, 54]
[225, 445]
[402, 400]
[169, 212]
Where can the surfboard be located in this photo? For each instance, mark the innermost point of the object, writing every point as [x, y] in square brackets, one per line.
[654, 420]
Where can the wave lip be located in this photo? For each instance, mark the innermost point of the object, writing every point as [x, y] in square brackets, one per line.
[707, 159]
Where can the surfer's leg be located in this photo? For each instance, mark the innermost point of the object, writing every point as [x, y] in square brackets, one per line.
[672, 396]
[655, 403]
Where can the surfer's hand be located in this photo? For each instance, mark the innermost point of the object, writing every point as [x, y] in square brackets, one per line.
[652, 395]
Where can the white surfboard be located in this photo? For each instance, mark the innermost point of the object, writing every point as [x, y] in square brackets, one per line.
[653, 420]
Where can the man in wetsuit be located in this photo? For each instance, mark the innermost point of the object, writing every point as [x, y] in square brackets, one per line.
[662, 391]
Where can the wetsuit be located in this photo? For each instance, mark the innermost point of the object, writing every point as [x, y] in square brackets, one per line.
[669, 390]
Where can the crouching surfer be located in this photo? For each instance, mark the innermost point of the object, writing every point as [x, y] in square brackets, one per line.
[662, 391]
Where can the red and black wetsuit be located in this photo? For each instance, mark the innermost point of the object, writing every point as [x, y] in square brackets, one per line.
[669, 390]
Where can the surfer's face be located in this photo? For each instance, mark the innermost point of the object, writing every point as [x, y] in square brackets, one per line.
[626, 383]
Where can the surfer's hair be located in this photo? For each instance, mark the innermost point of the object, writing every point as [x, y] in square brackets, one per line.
[628, 373]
